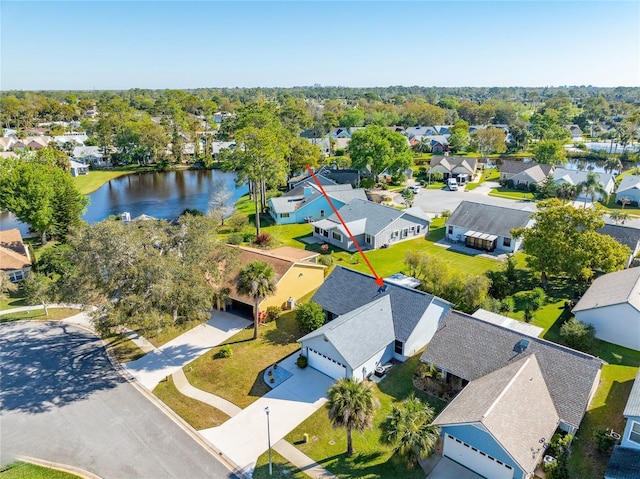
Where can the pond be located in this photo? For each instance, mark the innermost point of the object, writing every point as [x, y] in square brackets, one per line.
[162, 195]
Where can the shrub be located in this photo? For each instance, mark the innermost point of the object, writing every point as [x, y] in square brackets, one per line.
[263, 240]
[436, 176]
[508, 183]
[224, 352]
[237, 221]
[603, 441]
[533, 187]
[302, 361]
[577, 334]
[398, 179]
[248, 237]
[235, 238]
[507, 305]
[309, 316]
[273, 313]
[445, 213]
[521, 187]
[367, 183]
[326, 260]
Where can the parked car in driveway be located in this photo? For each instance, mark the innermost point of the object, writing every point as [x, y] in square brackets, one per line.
[452, 184]
[414, 188]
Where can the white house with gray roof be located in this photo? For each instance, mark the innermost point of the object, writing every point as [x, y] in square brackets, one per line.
[575, 178]
[629, 188]
[368, 325]
[486, 227]
[612, 306]
[516, 389]
[372, 225]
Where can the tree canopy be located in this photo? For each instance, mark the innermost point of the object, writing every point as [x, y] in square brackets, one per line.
[379, 149]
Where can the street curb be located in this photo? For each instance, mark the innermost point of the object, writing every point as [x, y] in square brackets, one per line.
[59, 467]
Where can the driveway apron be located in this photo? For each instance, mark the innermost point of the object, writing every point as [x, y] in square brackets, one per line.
[152, 368]
[244, 437]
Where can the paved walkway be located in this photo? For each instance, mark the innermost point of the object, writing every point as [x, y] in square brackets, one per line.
[182, 384]
[152, 368]
[301, 460]
[244, 437]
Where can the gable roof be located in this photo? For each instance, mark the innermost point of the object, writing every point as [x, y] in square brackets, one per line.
[633, 403]
[575, 177]
[622, 234]
[360, 333]
[629, 182]
[451, 162]
[496, 220]
[515, 167]
[471, 348]
[345, 290]
[618, 287]
[295, 199]
[514, 406]
[363, 216]
[13, 253]
[624, 463]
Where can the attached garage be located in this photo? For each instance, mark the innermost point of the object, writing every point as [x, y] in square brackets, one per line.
[242, 309]
[475, 459]
[326, 365]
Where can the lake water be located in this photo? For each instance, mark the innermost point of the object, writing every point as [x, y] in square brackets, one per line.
[162, 195]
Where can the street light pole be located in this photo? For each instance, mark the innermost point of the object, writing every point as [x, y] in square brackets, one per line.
[266, 410]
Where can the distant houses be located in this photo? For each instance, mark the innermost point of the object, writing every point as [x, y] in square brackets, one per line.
[524, 173]
[575, 178]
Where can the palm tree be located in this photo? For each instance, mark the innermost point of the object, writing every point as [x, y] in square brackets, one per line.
[612, 164]
[351, 405]
[257, 280]
[566, 192]
[409, 430]
[619, 216]
[591, 186]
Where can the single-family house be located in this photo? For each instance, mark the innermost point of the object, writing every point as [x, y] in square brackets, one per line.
[486, 227]
[372, 225]
[575, 132]
[420, 131]
[7, 142]
[524, 173]
[454, 167]
[625, 459]
[32, 143]
[612, 306]
[296, 274]
[516, 389]
[306, 202]
[575, 178]
[78, 168]
[629, 189]
[624, 235]
[73, 139]
[90, 155]
[439, 143]
[340, 132]
[15, 260]
[368, 325]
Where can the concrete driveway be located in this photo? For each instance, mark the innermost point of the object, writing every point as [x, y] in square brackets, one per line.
[152, 368]
[62, 401]
[448, 469]
[244, 437]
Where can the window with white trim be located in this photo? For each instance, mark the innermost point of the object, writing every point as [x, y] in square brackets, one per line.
[336, 236]
[634, 434]
[284, 215]
[15, 276]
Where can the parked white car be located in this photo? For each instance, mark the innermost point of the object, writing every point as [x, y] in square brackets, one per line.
[452, 184]
[414, 188]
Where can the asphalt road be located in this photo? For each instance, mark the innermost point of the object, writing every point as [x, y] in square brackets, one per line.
[62, 401]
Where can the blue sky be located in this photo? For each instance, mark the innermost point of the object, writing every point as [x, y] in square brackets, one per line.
[185, 44]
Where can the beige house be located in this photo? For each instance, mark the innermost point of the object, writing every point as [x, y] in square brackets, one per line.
[296, 273]
[15, 261]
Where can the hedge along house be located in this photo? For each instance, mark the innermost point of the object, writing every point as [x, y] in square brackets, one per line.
[486, 227]
[296, 274]
[372, 225]
[368, 325]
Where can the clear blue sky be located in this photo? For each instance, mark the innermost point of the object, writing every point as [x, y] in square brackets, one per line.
[185, 44]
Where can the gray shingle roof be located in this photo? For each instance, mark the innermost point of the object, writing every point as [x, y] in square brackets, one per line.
[629, 182]
[633, 403]
[612, 288]
[376, 216]
[513, 404]
[471, 348]
[622, 234]
[496, 220]
[294, 199]
[624, 464]
[361, 332]
[576, 177]
[451, 162]
[345, 290]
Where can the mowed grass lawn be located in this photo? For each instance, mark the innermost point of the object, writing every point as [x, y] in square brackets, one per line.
[511, 194]
[55, 314]
[239, 378]
[25, 470]
[87, 184]
[371, 459]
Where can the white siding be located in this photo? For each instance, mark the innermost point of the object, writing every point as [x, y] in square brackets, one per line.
[326, 365]
[617, 324]
[459, 232]
[425, 329]
[370, 364]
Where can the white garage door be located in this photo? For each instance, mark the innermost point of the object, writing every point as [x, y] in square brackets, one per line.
[475, 460]
[326, 365]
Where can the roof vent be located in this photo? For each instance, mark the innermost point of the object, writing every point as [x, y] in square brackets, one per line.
[382, 289]
[521, 346]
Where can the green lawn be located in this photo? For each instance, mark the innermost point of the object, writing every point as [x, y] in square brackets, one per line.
[281, 468]
[87, 184]
[171, 332]
[25, 470]
[371, 460]
[198, 414]
[123, 348]
[239, 377]
[14, 299]
[511, 194]
[489, 174]
[38, 315]
[630, 210]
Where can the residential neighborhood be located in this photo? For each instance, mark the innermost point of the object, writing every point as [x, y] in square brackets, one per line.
[228, 250]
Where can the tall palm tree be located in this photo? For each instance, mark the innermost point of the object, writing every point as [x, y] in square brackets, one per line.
[351, 405]
[409, 430]
[591, 186]
[257, 280]
[612, 164]
[566, 192]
